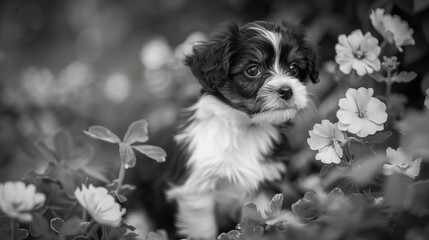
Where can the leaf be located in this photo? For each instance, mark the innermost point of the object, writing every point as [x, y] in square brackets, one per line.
[395, 190]
[160, 234]
[81, 157]
[137, 132]
[63, 145]
[307, 208]
[71, 226]
[21, 233]
[378, 138]
[80, 237]
[39, 226]
[275, 206]
[250, 211]
[325, 169]
[404, 77]
[378, 77]
[94, 173]
[253, 232]
[102, 133]
[417, 199]
[128, 157]
[56, 224]
[364, 173]
[45, 151]
[156, 153]
[94, 231]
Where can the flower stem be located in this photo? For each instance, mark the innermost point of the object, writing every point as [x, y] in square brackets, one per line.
[388, 84]
[12, 229]
[121, 177]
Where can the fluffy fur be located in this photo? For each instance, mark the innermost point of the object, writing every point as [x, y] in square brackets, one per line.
[253, 80]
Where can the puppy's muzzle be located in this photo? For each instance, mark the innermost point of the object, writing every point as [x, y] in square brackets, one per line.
[285, 93]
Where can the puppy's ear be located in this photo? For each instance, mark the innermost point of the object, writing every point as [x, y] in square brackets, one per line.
[313, 64]
[210, 60]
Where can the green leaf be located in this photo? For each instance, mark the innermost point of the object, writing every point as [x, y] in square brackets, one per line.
[102, 133]
[395, 190]
[275, 206]
[71, 226]
[80, 237]
[56, 224]
[39, 226]
[137, 132]
[250, 211]
[21, 233]
[417, 198]
[378, 138]
[45, 151]
[307, 208]
[156, 153]
[128, 157]
[378, 77]
[364, 172]
[404, 77]
[63, 145]
[81, 157]
[94, 231]
[94, 173]
[252, 232]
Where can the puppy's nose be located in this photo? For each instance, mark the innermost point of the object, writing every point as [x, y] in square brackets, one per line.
[286, 93]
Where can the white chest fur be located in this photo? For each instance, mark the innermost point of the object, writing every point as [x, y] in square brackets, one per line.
[226, 147]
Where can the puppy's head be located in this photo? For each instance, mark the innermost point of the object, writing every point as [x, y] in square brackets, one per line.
[261, 69]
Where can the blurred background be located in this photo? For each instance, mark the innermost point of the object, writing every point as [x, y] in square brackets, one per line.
[73, 64]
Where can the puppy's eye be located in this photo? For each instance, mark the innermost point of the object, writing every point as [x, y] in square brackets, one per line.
[252, 71]
[293, 69]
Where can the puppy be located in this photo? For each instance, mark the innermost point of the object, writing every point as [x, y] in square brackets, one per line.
[253, 80]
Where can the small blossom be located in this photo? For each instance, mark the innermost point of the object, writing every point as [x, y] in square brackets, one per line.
[401, 162]
[326, 139]
[100, 205]
[390, 63]
[360, 113]
[427, 99]
[17, 200]
[359, 52]
[393, 29]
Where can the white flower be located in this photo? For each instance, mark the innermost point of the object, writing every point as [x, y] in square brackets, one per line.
[393, 29]
[359, 52]
[100, 205]
[401, 162]
[360, 113]
[427, 99]
[326, 139]
[17, 200]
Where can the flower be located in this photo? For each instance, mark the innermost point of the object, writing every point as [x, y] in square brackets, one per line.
[360, 113]
[392, 28]
[427, 99]
[100, 205]
[401, 162]
[17, 200]
[359, 52]
[326, 139]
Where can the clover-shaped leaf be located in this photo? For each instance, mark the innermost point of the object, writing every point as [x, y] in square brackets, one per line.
[250, 212]
[307, 208]
[102, 133]
[404, 77]
[137, 132]
[156, 153]
[275, 206]
[56, 224]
